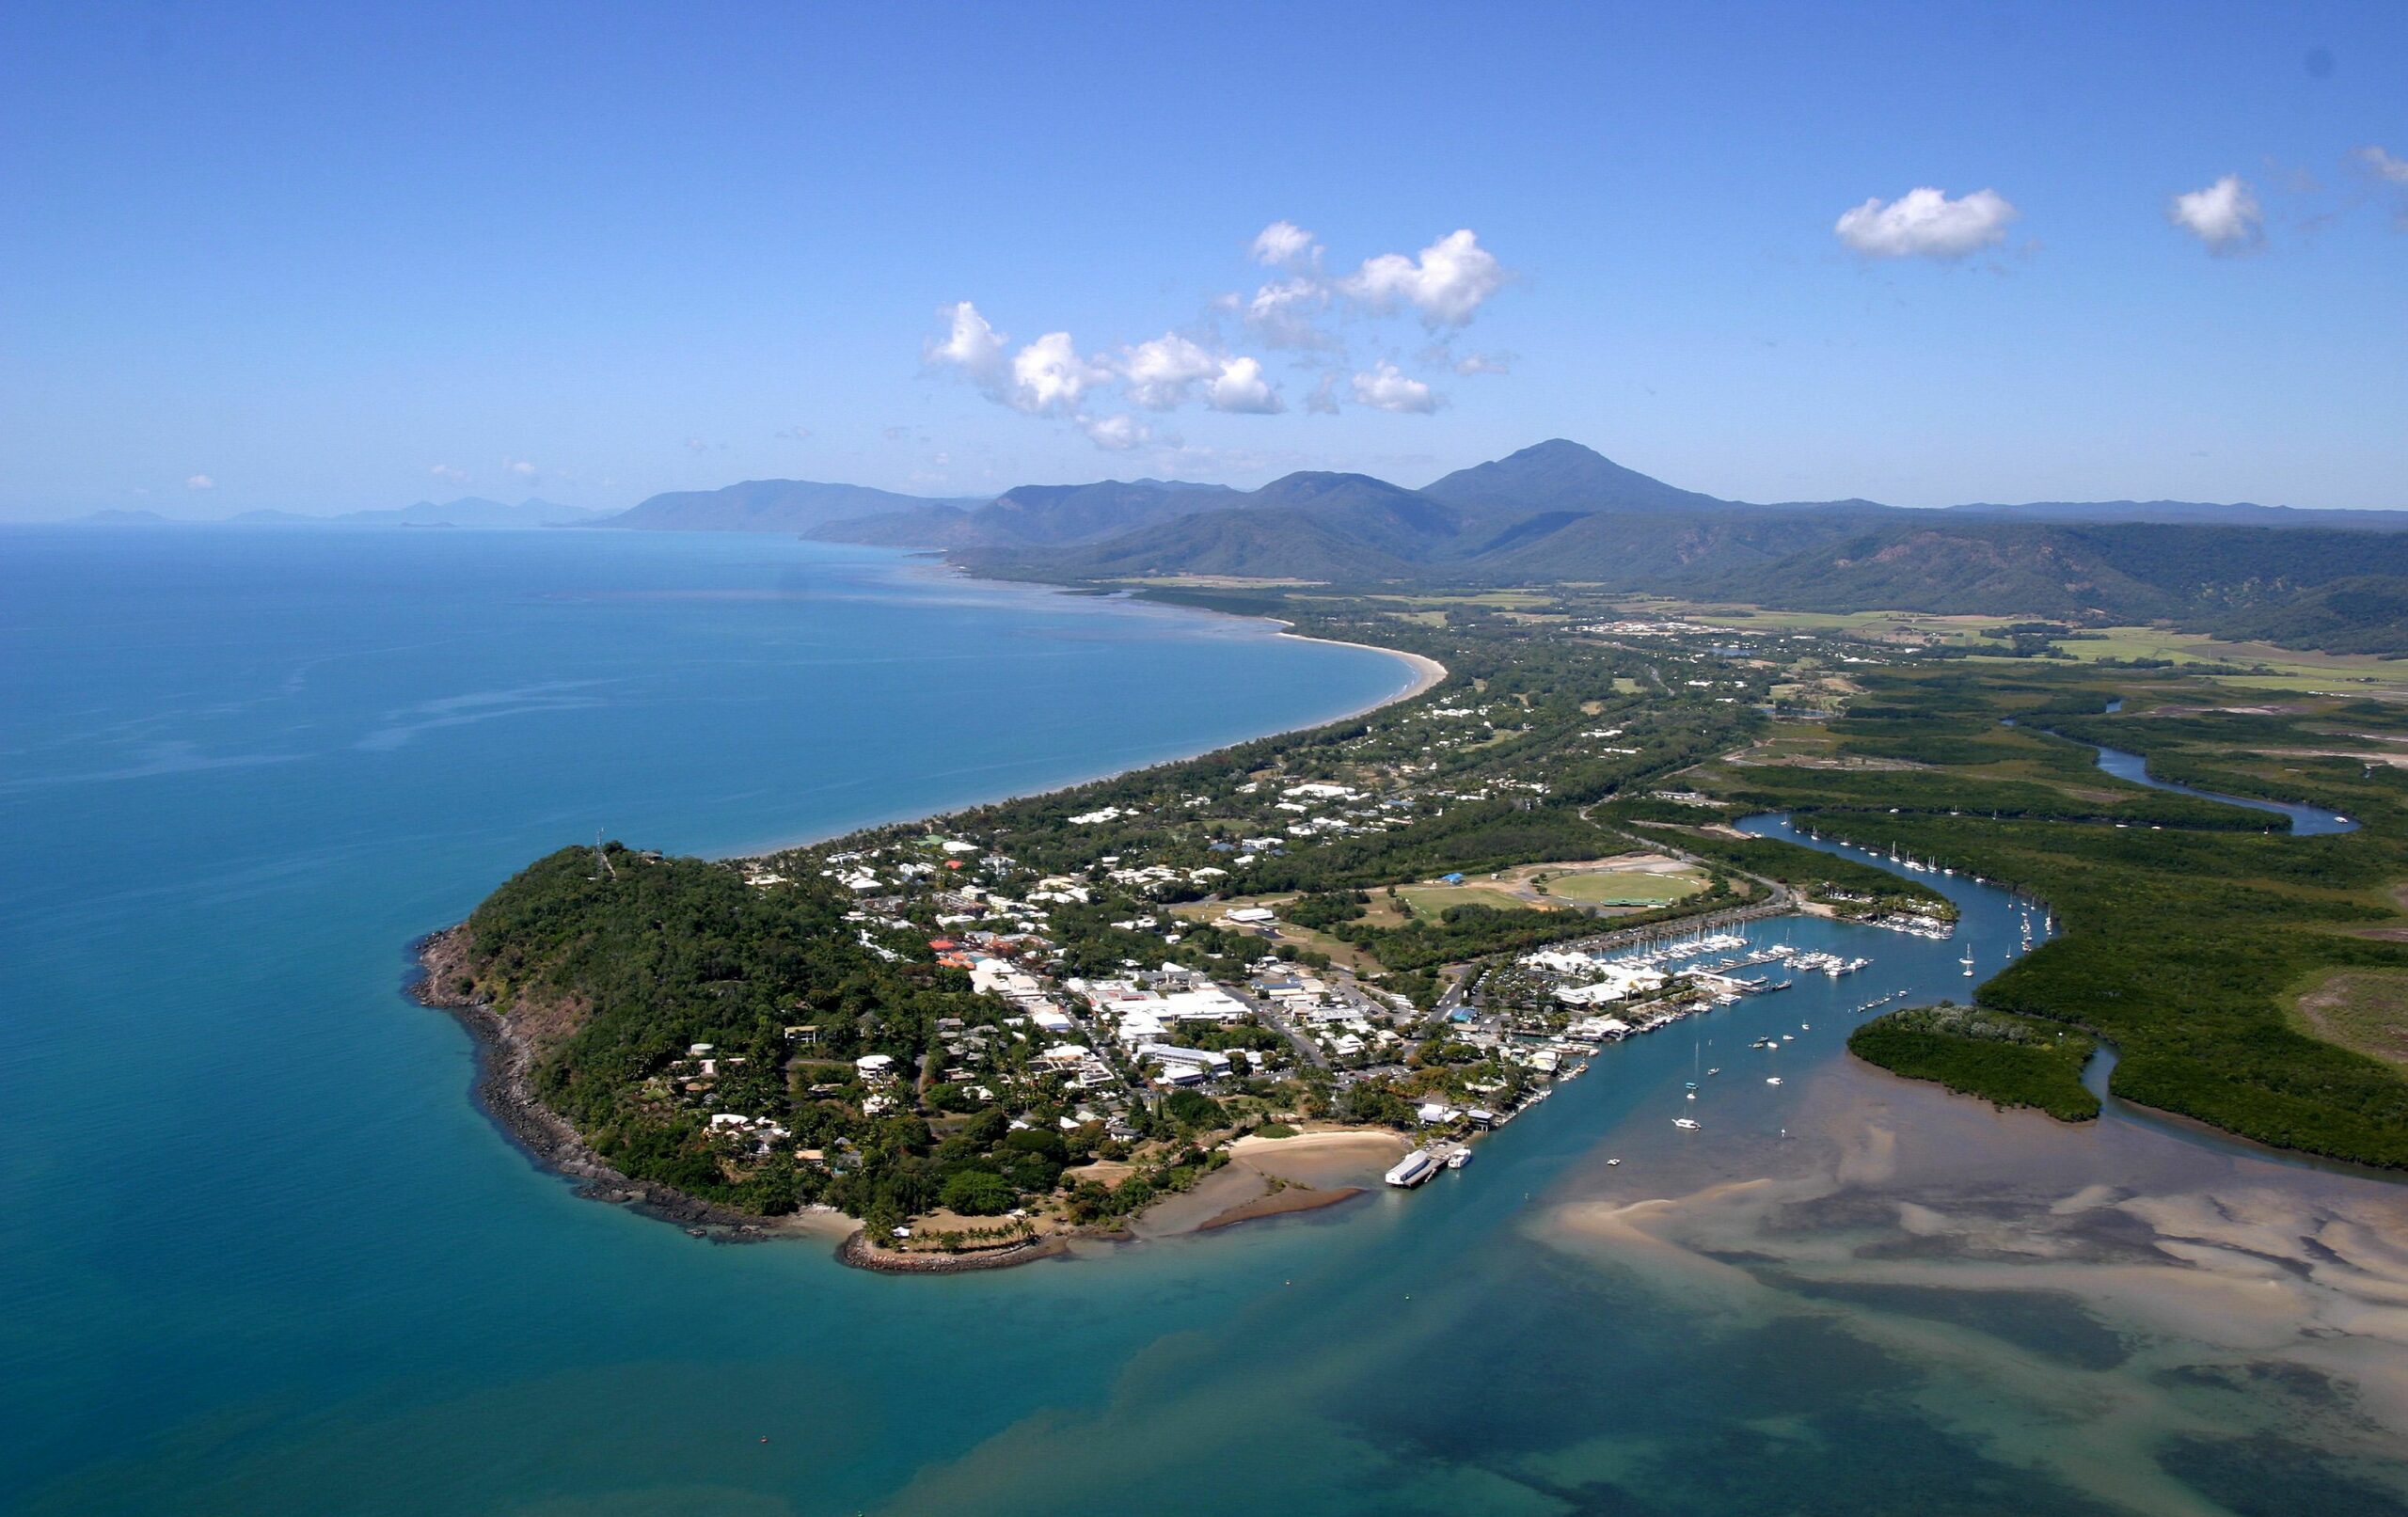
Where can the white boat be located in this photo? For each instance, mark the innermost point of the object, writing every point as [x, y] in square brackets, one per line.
[1686, 1124]
[1459, 1159]
[1773, 1079]
[1612, 1162]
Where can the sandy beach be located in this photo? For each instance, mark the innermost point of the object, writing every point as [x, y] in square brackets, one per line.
[2166, 1286]
[1427, 672]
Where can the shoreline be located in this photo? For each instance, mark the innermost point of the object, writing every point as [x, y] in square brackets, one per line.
[500, 1090]
[504, 1061]
[1428, 674]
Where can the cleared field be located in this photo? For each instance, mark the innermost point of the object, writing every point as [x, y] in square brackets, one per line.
[2283, 669]
[2364, 1011]
[1430, 900]
[2286, 669]
[1622, 888]
[1859, 624]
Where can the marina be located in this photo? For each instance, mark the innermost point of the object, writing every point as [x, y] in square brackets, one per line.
[1699, 979]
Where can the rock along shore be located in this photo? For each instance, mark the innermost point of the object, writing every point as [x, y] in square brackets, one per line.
[504, 1064]
[505, 1091]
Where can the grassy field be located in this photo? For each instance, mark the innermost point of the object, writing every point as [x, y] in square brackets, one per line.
[2286, 669]
[2363, 1011]
[2283, 669]
[1622, 888]
[1430, 900]
[1340, 951]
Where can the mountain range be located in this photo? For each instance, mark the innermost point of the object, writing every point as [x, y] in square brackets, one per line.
[1561, 512]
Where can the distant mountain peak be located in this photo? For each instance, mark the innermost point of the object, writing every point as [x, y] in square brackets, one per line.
[1560, 475]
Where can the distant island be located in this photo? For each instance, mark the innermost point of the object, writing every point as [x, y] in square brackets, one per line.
[980, 1039]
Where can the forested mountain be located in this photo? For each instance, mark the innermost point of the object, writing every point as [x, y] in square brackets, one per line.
[1587, 520]
[1557, 512]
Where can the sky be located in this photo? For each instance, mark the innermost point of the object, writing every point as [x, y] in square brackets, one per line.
[325, 258]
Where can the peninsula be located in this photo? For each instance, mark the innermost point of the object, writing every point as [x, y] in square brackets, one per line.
[976, 1038]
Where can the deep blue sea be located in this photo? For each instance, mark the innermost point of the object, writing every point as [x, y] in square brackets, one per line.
[259, 1253]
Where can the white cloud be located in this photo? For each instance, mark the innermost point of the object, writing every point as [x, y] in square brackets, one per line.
[199, 482]
[1240, 388]
[520, 468]
[1444, 286]
[1162, 374]
[1170, 371]
[1045, 378]
[969, 345]
[1282, 313]
[793, 434]
[696, 445]
[2383, 165]
[1284, 242]
[1115, 433]
[2225, 215]
[1926, 223]
[1485, 363]
[450, 474]
[1447, 284]
[1048, 377]
[1388, 388]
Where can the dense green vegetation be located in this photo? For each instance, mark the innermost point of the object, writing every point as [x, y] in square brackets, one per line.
[2010, 1060]
[634, 967]
[2181, 938]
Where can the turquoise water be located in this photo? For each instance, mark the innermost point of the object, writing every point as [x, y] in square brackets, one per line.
[264, 1256]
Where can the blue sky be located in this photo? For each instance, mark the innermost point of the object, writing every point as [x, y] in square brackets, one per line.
[327, 258]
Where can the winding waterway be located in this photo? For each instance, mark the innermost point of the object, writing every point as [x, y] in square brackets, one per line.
[2306, 821]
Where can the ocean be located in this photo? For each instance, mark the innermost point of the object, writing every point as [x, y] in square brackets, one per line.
[262, 1254]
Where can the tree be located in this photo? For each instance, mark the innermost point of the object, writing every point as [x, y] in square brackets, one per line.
[978, 1193]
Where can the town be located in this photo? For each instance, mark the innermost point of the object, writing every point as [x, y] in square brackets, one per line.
[1043, 1016]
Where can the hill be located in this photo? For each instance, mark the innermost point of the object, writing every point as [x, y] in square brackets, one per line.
[1035, 515]
[2192, 514]
[767, 506]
